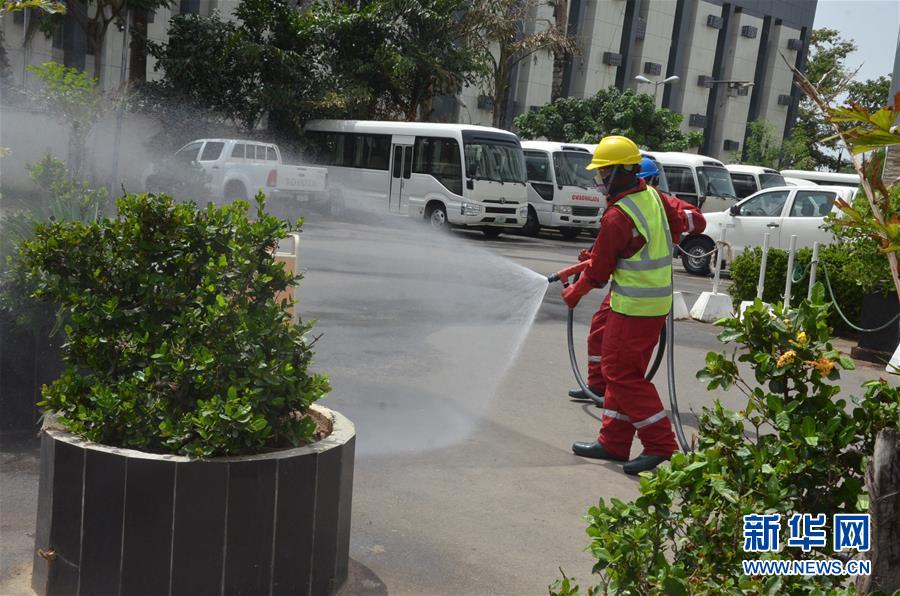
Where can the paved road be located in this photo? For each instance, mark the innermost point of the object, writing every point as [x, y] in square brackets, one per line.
[451, 360]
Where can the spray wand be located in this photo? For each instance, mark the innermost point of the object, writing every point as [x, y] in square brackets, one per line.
[564, 274]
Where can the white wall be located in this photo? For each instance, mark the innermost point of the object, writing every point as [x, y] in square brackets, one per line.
[601, 31]
[778, 79]
[741, 55]
[702, 41]
[660, 16]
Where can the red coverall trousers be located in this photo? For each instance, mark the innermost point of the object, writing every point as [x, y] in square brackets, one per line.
[623, 346]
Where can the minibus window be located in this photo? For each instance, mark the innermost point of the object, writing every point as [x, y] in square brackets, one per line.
[715, 181]
[494, 161]
[770, 180]
[537, 165]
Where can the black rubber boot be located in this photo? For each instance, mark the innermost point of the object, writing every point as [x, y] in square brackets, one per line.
[579, 394]
[643, 463]
[594, 450]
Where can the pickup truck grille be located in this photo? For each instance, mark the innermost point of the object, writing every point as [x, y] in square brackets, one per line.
[504, 210]
[585, 211]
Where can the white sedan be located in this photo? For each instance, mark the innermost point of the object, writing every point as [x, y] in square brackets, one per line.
[782, 211]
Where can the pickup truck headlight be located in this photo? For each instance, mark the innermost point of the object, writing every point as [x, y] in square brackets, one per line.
[470, 209]
[567, 209]
[523, 211]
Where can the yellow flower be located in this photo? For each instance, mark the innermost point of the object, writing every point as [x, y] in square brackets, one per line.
[801, 337]
[786, 358]
[823, 365]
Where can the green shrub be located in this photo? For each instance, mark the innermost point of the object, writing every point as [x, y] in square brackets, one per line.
[175, 340]
[854, 270]
[794, 448]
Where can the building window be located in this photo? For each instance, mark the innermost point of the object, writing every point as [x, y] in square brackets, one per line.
[795, 44]
[715, 21]
[731, 145]
[612, 59]
[784, 100]
[749, 31]
[705, 81]
[652, 68]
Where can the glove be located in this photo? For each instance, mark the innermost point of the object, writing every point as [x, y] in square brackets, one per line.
[584, 255]
[573, 293]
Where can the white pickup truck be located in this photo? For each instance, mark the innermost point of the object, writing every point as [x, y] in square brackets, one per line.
[237, 169]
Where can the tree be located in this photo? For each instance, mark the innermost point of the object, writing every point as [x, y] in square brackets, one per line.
[870, 94]
[74, 99]
[763, 149]
[499, 30]
[826, 68]
[608, 112]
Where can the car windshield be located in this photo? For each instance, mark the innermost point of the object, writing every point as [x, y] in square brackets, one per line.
[770, 180]
[570, 168]
[716, 181]
[494, 161]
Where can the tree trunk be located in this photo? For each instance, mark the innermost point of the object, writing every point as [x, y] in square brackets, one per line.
[137, 68]
[883, 482]
[98, 61]
[501, 90]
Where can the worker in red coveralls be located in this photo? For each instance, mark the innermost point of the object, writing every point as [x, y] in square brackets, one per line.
[634, 312]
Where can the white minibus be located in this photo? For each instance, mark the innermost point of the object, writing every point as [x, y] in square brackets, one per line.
[750, 179]
[562, 193]
[825, 178]
[697, 179]
[416, 169]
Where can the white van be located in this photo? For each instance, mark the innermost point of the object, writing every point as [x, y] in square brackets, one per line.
[825, 178]
[750, 179]
[416, 169]
[562, 193]
[663, 183]
[697, 179]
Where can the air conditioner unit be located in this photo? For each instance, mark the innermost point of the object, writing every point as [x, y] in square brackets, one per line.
[612, 59]
[749, 31]
[705, 81]
[784, 100]
[485, 102]
[715, 21]
[652, 68]
[640, 32]
[731, 145]
[795, 44]
[697, 120]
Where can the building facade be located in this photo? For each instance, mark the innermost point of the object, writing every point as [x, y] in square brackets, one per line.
[727, 56]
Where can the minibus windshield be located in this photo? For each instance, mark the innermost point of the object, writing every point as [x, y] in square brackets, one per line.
[716, 181]
[570, 169]
[500, 162]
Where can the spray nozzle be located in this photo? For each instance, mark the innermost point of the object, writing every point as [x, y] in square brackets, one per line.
[564, 274]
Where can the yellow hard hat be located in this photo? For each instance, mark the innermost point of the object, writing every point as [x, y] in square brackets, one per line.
[615, 150]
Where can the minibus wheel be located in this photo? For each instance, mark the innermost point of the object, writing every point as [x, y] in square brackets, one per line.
[491, 232]
[569, 233]
[532, 225]
[437, 217]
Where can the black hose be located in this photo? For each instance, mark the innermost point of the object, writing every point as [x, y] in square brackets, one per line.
[573, 359]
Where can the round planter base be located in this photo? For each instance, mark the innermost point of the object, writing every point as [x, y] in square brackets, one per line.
[119, 521]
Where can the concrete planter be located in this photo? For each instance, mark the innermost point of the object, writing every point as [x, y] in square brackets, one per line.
[120, 521]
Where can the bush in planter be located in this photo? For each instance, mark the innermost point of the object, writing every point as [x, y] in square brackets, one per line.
[175, 341]
[804, 453]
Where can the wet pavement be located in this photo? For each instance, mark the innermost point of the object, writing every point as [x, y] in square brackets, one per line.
[465, 482]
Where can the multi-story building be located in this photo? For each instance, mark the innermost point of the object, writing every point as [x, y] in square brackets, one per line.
[727, 55]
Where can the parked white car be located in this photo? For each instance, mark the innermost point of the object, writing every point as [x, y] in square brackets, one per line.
[782, 212]
[237, 169]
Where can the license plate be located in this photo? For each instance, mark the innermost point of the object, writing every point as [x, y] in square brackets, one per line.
[500, 220]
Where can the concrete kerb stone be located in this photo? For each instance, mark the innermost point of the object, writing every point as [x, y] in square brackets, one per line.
[679, 307]
[711, 307]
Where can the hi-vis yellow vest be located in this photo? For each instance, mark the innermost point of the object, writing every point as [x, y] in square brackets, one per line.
[642, 283]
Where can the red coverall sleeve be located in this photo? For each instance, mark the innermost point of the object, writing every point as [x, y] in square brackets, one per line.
[683, 217]
[613, 239]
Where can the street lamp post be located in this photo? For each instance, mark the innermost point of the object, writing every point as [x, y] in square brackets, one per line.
[656, 84]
